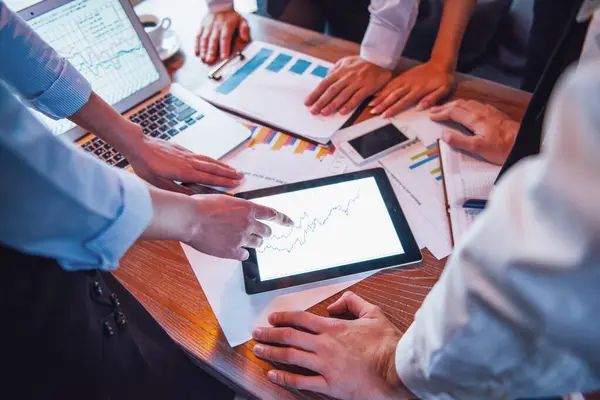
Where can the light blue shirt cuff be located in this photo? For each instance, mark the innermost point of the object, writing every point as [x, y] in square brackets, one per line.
[135, 215]
[67, 94]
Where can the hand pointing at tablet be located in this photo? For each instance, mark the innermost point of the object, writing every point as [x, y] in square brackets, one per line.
[218, 225]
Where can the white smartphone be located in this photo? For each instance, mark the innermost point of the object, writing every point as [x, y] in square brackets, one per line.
[372, 145]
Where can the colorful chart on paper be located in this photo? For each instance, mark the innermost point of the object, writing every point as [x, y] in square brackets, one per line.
[278, 141]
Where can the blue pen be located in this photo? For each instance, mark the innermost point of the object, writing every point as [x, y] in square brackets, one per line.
[475, 203]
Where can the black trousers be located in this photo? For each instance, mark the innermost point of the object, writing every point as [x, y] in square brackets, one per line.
[81, 335]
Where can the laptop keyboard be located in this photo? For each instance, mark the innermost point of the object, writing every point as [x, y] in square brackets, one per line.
[163, 119]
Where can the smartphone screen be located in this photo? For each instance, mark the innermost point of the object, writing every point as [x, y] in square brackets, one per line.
[377, 141]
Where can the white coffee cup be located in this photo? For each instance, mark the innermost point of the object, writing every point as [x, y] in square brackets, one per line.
[155, 28]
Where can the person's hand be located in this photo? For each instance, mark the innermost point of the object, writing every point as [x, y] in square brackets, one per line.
[351, 80]
[494, 131]
[225, 224]
[426, 84]
[218, 225]
[161, 163]
[353, 359]
[215, 39]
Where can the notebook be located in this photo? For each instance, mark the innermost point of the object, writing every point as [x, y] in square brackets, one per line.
[465, 177]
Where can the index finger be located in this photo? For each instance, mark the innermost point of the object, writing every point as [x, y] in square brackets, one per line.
[467, 118]
[299, 319]
[320, 89]
[226, 37]
[270, 214]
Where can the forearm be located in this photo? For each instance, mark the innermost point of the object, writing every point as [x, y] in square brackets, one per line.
[455, 18]
[100, 118]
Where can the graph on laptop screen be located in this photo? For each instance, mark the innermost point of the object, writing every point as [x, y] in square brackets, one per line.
[97, 37]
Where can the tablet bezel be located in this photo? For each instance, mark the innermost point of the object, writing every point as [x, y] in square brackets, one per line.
[412, 253]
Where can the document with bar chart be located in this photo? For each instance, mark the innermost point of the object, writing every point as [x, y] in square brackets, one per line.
[270, 85]
[274, 158]
[418, 178]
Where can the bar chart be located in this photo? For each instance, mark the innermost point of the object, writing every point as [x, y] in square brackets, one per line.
[278, 140]
[428, 157]
[278, 64]
[270, 86]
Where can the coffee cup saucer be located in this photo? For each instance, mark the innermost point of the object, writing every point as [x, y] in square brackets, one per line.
[170, 45]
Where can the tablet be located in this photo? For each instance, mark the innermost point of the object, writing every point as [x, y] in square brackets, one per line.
[343, 225]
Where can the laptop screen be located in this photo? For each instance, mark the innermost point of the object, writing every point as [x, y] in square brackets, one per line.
[97, 37]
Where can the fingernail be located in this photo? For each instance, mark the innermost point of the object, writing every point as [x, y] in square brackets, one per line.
[374, 111]
[344, 111]
[371, 104]
[272, 375]
[325, 112]
[420, 107]
[256, 333]
[259, 350]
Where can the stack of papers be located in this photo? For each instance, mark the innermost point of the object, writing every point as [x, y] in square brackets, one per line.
[465, 177]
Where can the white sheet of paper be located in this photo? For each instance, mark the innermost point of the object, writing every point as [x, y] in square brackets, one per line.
[237, 312]
[274, 96]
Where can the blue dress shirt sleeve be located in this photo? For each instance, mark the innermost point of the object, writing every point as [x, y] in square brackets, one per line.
[42, 78]
[60, 202]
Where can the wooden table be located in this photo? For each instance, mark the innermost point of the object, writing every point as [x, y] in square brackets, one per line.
[159, 276]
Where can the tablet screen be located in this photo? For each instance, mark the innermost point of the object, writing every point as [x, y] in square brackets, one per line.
[338, 224]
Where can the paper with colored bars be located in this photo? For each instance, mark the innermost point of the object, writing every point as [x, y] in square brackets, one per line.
[274, 158]
[270, 85]
[465, 177]
[419, 186]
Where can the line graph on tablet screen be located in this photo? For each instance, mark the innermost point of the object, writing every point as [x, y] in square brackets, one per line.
[299, 234]
[334, 225]
[98, 39]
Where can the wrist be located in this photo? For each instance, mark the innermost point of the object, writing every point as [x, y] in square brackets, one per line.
[395, 389]
[128, 138]
[443, 62]
[174, 216]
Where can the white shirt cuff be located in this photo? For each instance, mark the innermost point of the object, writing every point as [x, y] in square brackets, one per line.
[410, 371]
[220, 5]
[382, 46]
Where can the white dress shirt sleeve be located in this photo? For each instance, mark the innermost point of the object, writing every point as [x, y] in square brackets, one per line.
[515, 313]
[389, 28]
[219, 5]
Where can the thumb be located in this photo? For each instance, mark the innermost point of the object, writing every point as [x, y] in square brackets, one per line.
[244, 31]
[351, 303]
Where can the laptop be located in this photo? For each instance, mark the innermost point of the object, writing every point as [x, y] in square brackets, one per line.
[106, 42]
